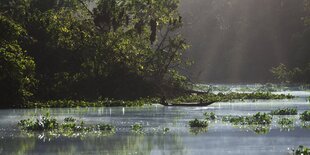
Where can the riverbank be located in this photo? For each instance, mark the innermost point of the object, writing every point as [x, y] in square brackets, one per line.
[192, 98]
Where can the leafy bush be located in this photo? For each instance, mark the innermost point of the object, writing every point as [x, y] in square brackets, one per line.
[305, 116]
[198, 124]
[286, 111]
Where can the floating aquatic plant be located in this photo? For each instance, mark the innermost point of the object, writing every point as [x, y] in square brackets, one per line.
[198, 124]
[196, 131]
[69, 119]
[41, 124]
[301, 150]
[221, 97]
[286, 111]
[305, 116]
[256, 119]
[46, 125]
[137, 128]
[285, 122]
[209, 115]
[258, 123]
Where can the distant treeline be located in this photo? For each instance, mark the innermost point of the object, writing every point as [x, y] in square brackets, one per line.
[87, 49]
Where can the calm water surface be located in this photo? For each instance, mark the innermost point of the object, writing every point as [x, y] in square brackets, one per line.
[220, 139]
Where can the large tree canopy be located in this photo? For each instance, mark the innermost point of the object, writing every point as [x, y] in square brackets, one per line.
[85, 49]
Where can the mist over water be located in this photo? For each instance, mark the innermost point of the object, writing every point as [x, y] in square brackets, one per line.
[239, 41]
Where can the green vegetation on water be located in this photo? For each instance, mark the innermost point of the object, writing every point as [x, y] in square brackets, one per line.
[285, 122]
[68, 128]
[137, 128]
[210, 115]
[305, 116]
[221, 97]
[301, 150]
[198, 123]
[286, 111]
[256, 119]
[99, 103]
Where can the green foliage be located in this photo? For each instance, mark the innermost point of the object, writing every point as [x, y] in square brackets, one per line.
[17, 80]
[256, 119]
[258, 123]
[80, 54]
[166, 130]
[198, 124]
[99, 103]
[301, 150]
[69, 128]
[221, 97]
[43, 123]
[285, 122]
[137, 128]
[69, 119]
[286, 111]
[210, 115]
[305, 116]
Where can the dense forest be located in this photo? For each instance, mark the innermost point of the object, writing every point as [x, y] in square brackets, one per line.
[239, 41]
[87, 49]
[94, 49]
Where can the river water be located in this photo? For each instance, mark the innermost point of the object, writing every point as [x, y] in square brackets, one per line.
[220, 138]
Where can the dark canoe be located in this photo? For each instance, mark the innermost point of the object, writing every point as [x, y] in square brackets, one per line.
[188, 104]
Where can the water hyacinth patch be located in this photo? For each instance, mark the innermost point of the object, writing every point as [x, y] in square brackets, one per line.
[285, 121]
[198, 124]
[286, 111]
[99, 103]
[210, 115]
[69, 119]
[305, 116]
[137, 128]
[221, 97]
[301, 150]
[41, 124]
[258, 123]
[260, 129]
[70, 128]
[256, 119]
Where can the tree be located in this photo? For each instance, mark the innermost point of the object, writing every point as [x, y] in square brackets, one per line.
[17, 80]
[115, 49]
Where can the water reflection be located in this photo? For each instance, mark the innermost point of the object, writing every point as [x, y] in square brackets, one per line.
[116, 145]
